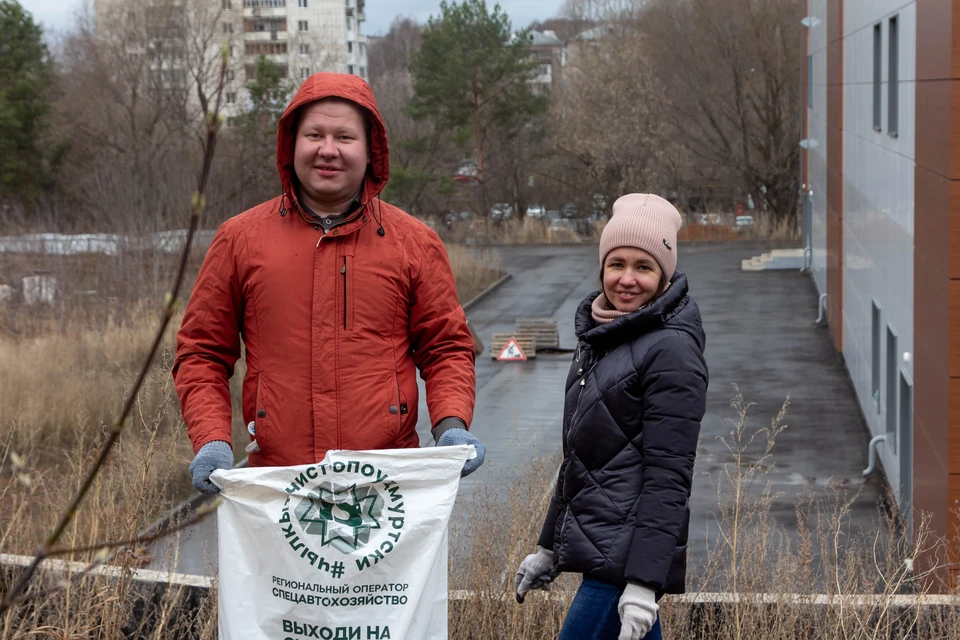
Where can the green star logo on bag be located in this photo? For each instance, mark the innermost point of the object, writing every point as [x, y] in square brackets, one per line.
[341, 516]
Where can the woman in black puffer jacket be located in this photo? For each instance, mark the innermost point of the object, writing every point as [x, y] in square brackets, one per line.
[635, 396]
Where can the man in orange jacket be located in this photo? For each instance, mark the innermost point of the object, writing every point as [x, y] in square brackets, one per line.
[338, 298]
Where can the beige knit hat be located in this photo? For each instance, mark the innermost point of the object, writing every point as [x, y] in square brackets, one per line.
[647, 222]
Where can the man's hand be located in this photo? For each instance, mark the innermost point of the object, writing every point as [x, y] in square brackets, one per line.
[212, 456]
[535, 572]
[450, 432]
[638, 611]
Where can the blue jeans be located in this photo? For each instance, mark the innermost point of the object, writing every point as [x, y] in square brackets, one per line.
[594, 616]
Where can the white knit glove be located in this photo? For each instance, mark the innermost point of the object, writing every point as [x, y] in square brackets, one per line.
[638, 611]
[534, 573]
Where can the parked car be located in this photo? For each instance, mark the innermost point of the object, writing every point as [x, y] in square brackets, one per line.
[570, 210]
[743, 222]
[708, 218]
[501, 211]
[536, 211]
[599, 205]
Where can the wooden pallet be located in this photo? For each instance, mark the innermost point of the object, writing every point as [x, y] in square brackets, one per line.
[526, 340]
[545, 329]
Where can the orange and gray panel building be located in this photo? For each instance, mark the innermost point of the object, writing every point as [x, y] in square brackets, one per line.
[881, 185]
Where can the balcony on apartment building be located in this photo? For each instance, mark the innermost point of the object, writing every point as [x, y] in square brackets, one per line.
[264, 29]
[274, 51]
[355, 9]
[264, 8]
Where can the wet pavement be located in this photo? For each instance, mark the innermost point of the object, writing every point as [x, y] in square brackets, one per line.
[760, 336]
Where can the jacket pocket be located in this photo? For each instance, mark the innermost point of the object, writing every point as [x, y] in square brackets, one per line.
[402, 408]
[261, 415]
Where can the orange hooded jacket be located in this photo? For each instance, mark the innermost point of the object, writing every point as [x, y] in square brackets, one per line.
[335, 326]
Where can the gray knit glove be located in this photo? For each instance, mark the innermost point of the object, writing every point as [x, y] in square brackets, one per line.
[212, 456]
[451, 432]
[535, 572]
[638, 611]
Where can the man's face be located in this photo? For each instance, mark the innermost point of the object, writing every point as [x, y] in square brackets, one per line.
[330, 155]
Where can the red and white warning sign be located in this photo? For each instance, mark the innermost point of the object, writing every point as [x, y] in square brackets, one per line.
[512, 351]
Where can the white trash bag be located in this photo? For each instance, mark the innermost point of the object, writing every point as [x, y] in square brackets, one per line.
[351, 548]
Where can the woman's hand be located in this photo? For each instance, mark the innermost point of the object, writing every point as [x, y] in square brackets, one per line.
[535, 572]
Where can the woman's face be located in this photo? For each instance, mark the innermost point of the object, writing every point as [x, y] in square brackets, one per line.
[631, 278]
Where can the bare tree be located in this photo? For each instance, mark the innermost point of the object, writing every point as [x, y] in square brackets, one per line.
[592, 12]
[728, 69]
[392, 52]
[136, 80]
[608, 119]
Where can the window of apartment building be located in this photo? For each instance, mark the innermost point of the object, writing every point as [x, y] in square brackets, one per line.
[301, 25]
[877, 76]
[363, 72]
[229, 75]
[350, 68]
[893, 76]
[304, 48]
[231, 97]
[228, 27]
[875, 356]
[810, 82]
[304, 73]
[302, 4]
[363, 48]
[231, 51]
[224, 4]
[349, 46]
[893, 371]
[349, 23]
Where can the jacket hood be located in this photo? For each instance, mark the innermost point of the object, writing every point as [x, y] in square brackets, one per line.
[335, 85]
[674, 309]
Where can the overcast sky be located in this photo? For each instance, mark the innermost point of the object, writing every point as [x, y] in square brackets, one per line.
[59, 14]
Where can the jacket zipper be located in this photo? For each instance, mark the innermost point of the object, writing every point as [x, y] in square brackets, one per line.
[583, 382]
[343, 270]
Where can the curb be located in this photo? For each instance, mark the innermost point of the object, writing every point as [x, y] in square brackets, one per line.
[483, 295]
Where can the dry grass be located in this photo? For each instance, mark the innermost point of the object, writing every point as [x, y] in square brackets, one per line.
[777, 577]
[66, 371]
[474, 270]
[63, 381]
[513, 231]
[707, 232]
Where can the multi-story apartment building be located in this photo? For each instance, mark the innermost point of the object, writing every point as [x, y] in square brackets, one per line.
[548, 50]
[301, 37]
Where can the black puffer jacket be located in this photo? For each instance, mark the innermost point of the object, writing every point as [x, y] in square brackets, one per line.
[635, 396]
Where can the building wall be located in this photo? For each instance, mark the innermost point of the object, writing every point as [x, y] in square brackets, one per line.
[937, 268]
[878, 205]
[899, 250]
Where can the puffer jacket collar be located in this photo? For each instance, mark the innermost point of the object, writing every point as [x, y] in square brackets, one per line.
[334, 85]
[670, 309]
